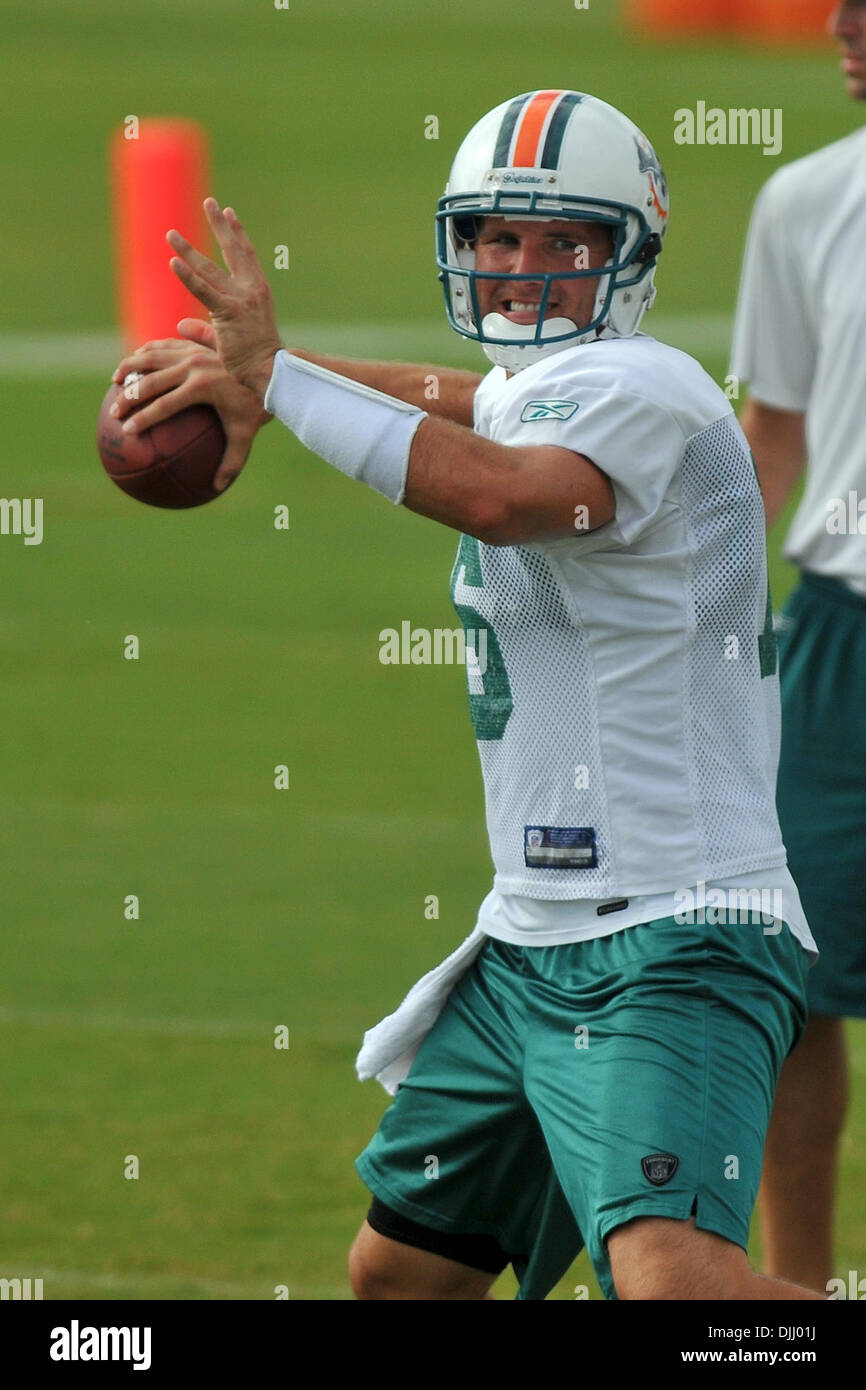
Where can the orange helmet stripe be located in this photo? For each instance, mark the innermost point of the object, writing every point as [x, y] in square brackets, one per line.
[526, 149]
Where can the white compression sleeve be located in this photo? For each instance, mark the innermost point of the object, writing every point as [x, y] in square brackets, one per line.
[364, 433]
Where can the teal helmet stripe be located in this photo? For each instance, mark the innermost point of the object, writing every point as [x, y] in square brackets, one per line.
[506, 130]
[561, 116]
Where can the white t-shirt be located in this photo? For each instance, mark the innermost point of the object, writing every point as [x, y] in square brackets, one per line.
[769, 895]
[800, 341]
[625, 696]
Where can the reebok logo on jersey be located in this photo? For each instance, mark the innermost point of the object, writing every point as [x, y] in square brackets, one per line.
[549, 410]
[659, 1168]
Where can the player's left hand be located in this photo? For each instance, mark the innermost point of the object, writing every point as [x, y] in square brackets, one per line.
[239, 298]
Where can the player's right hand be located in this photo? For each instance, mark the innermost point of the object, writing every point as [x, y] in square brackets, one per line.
[179, 372]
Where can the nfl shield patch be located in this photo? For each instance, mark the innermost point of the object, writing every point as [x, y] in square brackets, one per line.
[659, 1168]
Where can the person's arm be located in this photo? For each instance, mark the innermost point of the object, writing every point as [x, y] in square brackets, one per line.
[500, 494]
[775, 341]
[180, 372]
[777, 439]
[497, 493]
[443, 391]
[187, 371]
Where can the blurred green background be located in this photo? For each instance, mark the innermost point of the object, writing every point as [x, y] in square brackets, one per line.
[260, 908]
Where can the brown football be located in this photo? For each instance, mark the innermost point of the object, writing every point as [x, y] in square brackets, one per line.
[170, 465]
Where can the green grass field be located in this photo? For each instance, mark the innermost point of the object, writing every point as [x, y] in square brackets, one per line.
[260, 908]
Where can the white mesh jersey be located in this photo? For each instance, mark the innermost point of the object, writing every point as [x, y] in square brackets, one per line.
[800, 341]
[624, 692]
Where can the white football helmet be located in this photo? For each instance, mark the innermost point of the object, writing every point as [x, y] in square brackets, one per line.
[551, 155]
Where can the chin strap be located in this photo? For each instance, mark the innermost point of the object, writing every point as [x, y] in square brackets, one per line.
[514, 357]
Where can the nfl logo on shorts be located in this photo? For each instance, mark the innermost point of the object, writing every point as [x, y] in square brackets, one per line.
[659, 1168]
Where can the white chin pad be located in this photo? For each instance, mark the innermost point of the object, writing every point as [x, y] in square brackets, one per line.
[521, 351]
[498, 326]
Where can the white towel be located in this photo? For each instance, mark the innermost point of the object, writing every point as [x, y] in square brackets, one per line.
[389, 1049]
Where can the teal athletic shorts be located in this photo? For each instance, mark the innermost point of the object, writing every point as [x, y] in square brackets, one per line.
[821, 791]
[566, 1089]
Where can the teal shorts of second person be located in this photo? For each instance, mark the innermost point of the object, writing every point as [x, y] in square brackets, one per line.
[821, 789]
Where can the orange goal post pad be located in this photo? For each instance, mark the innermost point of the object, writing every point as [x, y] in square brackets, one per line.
[159, 180]
[788, 20]
[683, 16]
[791, 20]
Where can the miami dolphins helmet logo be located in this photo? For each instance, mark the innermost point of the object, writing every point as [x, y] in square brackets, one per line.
[650, 164]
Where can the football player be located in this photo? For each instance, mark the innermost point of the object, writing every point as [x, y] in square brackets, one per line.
[597, 1063]
[800, 342]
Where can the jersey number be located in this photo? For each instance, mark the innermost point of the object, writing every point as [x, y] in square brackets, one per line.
[768, 646]
[491, 710]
